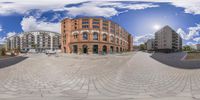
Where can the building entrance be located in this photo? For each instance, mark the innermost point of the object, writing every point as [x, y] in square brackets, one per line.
[111, 49]
[75, 49]
[85, 49]
[95, 49]
[104, 49]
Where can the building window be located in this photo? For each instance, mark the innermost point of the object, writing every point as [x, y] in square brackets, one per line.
[95, 36]
[117, 41]
[105, 29]
[104, 37]
[85, 26]
[95, 23]
[75, 36]
[111, 39]
[85, 22]
[75, 49]
[95, 49]
[95, 27]
[85, 36]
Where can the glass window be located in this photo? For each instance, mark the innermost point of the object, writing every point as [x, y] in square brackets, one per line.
[85, 26]
[111, 39]
[95, 36]
[85, 36]
[85, 22]
[95, 23]
[117, 41]
[75, 36]
[95, 27]
[104, 37]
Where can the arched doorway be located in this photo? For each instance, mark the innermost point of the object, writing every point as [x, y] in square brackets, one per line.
[111, 49]
[117, 49]
[104, 49]
[75, 49]
[85, 49]
[95, 49]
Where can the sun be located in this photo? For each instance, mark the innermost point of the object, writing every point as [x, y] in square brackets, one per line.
[156, 27]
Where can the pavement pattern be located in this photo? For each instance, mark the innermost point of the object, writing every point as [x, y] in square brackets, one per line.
[130, 76]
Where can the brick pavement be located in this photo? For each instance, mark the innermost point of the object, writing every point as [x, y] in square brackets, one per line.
[117, 77]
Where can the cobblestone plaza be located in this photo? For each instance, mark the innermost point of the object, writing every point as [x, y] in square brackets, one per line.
[129, 76]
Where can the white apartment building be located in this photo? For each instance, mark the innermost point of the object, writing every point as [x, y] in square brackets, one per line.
[150, 44]
[40, 41]
[195, 47]
[167, 40]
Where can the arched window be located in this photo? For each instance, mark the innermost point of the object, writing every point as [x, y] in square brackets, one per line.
[75, 36]
[117, 41]
[111, 39]
[85, 35]
[95, 36]
[104, 37]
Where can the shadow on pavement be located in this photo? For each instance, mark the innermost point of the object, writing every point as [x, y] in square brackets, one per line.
[11, 61]
[174, 60]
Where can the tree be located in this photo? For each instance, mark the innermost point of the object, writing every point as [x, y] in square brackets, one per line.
[142, 47]
[187, 48]
[3, 51]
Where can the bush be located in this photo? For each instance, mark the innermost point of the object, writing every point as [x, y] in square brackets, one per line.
[3, 51]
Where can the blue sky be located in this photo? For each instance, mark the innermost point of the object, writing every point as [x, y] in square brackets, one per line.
[142, 19]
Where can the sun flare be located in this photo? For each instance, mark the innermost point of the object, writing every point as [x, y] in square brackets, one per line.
[156, 27]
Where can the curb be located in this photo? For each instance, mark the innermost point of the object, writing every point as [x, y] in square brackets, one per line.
[9, 58]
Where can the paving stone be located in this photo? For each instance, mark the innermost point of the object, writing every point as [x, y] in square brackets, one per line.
[130, 76]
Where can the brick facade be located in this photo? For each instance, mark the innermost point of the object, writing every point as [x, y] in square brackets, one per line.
[94, 35]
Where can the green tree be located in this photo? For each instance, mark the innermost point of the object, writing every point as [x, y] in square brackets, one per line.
[3, 51]
[142, 47]
[187, 48]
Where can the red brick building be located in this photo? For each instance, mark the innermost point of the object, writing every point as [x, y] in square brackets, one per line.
[94, 36]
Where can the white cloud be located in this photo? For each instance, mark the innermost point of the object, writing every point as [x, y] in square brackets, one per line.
[193, 32]
[97, 8]
[9, 34]
[56, 17]
[139, 6]
[192, 7]
[191, 43]
[142, 38]
[21, 7]
[182, 34]
[31, 24]
[2, 40]
[193, 35]
[197, 39]
[104, 8]
[92, 11]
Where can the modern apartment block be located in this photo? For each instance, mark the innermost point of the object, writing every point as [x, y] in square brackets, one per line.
[40, 41]
[150, 44]
[196, 47]
[167, 40]
[94, 36]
